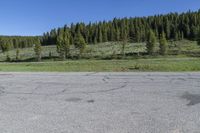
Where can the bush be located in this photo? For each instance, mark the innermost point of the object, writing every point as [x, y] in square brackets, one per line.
[8, 59]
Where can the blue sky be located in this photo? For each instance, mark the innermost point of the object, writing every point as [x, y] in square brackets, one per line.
[33, 17]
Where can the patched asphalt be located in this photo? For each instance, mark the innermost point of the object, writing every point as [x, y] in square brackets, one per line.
[100, 102]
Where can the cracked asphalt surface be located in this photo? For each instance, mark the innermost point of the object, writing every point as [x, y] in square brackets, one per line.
[100, 102]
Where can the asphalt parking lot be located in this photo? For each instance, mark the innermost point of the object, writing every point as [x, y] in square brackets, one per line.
[100, 102]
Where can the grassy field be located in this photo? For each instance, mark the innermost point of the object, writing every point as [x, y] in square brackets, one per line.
[159, 64]
[100, 51]
[107, 51]
[183, 56]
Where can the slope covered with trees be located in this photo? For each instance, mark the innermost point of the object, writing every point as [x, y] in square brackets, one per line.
[71, 41]
[175, 26]
[15, 42]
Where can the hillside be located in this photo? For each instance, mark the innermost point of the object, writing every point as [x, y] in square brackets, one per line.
[175, 26]
[134, 29]
[109, 50]
[168, 42]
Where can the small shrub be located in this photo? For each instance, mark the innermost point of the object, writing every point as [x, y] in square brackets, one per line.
[50, 54]
[17, 54]
[8, 59]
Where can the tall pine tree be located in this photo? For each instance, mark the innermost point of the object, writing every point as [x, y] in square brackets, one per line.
[151, 43]
[163, 44]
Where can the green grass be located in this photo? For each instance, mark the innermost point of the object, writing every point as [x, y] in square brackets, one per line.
[159, 64]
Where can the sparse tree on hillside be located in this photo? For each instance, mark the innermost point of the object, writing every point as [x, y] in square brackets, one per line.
[80, 43]
[59, 44]
[63, 44]
[66, 44]
[151, 43]
[163, 44]
[5, 45]
[100, 36]
[17, 54]
[38, 51]
[124, 43]
[198, 38]
[8, 57]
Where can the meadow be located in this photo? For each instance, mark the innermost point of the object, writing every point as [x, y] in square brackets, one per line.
[182, 56]
[159, 64]
[109, 50]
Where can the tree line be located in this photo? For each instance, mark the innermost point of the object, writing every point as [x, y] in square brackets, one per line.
[175, 26]
[16, 42]
[152, 30]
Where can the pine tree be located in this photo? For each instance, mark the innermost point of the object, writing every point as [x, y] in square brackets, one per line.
[8, 59]
[163, 44]
[176, 36]
[112, 34]
[5, 45]
[100, 36]
[124, 42]
[117, 34]
[59, 44]
[187, 31]
[63, 43]
[138, 35]
[194, 32]
[104, 34]
[80, 43]
[167, 28]
[95, 40]
[198, 38]
[182, 36]
[38, 51]
[66, 43]
[151, 43]
[17, 54]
